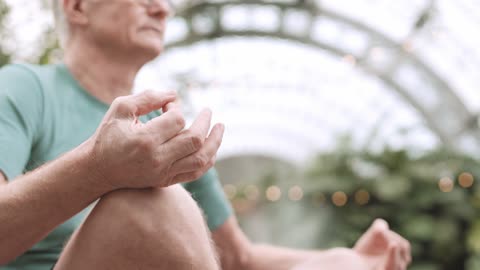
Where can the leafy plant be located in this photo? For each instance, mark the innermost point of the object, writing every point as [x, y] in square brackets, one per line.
[431, 199]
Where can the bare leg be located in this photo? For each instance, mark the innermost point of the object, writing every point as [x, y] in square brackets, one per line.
[142, 229]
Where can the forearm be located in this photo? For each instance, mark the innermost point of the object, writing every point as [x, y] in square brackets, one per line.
[264, 257]
[35, 203]
[237, 252]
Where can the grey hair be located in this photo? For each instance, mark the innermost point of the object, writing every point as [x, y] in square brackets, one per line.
[61, 24]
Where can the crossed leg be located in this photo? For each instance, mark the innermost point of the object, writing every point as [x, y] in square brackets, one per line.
[159, 229]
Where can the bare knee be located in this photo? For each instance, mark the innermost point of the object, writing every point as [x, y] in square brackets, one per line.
[159, 228]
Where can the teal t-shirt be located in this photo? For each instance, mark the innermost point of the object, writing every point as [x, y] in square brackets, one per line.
[44, 113]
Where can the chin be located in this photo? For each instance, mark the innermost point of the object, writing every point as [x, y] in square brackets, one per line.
[151, 51]
[156, 51]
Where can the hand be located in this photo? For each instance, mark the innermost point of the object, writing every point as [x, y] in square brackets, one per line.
[384, 248]
[378, 249]
[126, 153]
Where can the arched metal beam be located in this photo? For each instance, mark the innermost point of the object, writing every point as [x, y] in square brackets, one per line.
[449, 118]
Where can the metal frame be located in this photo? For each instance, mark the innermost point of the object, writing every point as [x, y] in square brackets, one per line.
[448, 118]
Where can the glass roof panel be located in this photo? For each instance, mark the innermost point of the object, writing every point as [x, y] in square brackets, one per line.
[319, 94]
[283, 96]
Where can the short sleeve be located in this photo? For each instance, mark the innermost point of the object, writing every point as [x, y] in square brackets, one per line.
[20, 113]
[209, 195]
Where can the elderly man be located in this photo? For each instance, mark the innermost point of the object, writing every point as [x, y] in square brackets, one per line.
[71, 134]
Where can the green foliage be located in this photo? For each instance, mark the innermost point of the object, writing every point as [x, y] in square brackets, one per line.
[443, 226]
[48, 47]
[4, 9]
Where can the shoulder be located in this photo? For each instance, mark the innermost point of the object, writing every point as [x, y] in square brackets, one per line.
[21, 93]
[19, 78]
[27, 81]
[22, 70]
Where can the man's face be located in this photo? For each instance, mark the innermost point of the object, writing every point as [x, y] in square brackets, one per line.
[129, 26]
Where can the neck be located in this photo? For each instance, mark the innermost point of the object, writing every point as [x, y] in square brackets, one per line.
[101, 72]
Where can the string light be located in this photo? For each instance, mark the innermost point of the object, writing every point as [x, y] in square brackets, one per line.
[362, 197]
[295, 193]
[466, 180]
[446, 184]
[230, 191]
[273, 193]
[339, 198]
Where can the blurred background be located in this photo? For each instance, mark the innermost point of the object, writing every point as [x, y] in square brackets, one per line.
[337, 112]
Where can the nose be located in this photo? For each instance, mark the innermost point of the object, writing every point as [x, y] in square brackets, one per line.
[161, 8]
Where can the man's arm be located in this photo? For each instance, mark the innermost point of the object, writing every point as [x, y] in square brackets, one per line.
[123, 153]
[34, 204]
[237, 252]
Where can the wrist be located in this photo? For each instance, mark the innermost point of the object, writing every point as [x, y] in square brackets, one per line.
[90, 169]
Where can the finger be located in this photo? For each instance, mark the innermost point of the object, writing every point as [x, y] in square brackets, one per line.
[204, 156]
[188, 177]
[405, 247]
[391, 261]
[192, 176]
[375, 239]
[201, 125]
[380, 223]
[171, 105]
[165, 126]
[188, 141]
[142, 103]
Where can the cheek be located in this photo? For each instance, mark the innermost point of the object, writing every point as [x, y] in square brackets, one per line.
[103, 29]
[112, 26]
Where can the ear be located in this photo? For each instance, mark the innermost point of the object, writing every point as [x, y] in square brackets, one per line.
[74, 11]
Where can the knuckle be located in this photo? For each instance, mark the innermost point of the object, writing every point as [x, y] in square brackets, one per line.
[200, 161]
[178, 119]
[117, 101]
[157, 162]
[121, 104]
[196, 141]
[144, 144]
